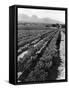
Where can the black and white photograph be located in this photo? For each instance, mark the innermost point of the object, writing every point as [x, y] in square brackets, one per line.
[34, 40]
[41, 45]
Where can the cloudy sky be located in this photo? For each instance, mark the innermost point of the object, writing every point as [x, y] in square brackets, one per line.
[53, 14]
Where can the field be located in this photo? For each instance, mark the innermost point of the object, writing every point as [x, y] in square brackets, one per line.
[38, 52]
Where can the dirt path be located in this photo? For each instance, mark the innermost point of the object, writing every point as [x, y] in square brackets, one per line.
[61, 68]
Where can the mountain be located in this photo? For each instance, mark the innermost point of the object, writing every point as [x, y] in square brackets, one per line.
[34, 19]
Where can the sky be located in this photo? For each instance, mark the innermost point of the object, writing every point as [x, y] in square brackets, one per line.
[41, 13]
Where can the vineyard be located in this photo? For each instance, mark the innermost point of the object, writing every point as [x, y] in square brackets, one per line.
[38, 55]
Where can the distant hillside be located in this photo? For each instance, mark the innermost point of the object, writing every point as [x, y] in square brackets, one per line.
[34, 19]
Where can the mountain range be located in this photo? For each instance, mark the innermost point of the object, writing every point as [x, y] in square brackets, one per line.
[34, 19]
